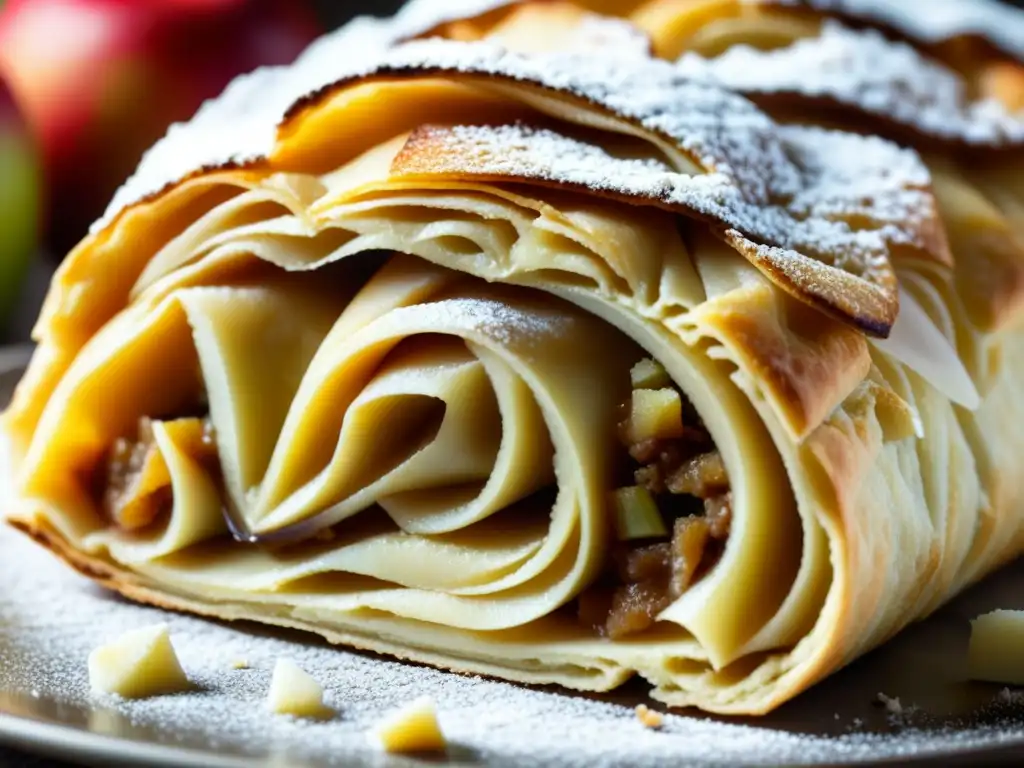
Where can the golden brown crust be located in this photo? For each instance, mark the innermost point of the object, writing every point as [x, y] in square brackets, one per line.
[778, 189]
[1004, 81]
[809, 364]
[861, 290]
[434, 152]
[817, 366]
[970, 45]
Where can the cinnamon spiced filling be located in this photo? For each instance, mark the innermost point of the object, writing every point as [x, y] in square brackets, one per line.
[672, 512]
[680, 477]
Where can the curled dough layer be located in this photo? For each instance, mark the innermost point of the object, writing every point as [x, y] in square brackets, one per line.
[381, 370]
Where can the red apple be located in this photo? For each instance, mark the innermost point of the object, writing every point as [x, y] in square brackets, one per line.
[19, 201]
[101, 80]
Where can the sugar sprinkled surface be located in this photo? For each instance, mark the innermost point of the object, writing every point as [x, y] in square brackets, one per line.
[425, 15]
[51, 618]
[240, 125]
[491, 318]
[609, 36]
[944, 19]
[941, 20]
[724, 132]
[865, 70]
[842, 177]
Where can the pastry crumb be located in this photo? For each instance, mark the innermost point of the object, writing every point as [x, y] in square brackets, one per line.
[239, 664]
[891, 703]
[649, 717]
[137, 665]
[411, 729]
[293, 691]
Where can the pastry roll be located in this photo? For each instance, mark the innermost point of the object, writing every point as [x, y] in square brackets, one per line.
[551, 366]
[950, 84]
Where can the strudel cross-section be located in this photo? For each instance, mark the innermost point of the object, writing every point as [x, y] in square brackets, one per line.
[559, 366]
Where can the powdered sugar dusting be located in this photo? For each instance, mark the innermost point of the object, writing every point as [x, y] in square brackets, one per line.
[493, 319]
[941, 20]
[50, 619]
[754, 167]
[842, 177]
[865, 70]
[610, 35]
[420, 16]
[607, 36]
[724, 131]
[239, 127]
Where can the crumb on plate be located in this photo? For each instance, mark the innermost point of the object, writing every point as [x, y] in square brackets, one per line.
[412, 728]
[138, 664]
[293, 691]
[648, 717]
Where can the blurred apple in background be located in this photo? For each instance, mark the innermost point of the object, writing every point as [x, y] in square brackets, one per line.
[100, 81]
[20, 189]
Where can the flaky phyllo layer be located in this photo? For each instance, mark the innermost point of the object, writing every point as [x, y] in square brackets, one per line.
[557, 367]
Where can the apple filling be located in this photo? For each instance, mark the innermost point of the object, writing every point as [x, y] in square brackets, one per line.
[673, 521]
[134, 481]
[671, 515]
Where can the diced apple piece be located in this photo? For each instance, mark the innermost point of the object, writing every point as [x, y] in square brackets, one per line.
[996, 650]
[649, 374]
[636, 514]
[139, 664]
[648, 717]
[293, 691]
[655, 414]
[413, 728]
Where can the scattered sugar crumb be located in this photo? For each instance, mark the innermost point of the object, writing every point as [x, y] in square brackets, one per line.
[898, 713]
[862, 68]
[783, 188]
[648, 717]
[50, 619]
[1008, 696]
[891, 703]
[999, 22]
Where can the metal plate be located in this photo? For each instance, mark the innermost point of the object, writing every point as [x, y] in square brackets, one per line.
[952, 721]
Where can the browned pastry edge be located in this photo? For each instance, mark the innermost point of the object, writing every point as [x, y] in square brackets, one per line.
[1006, 69]
[135, 589]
